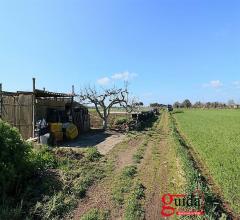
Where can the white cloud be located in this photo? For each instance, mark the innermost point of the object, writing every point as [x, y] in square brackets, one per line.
[103, 81]
[124, 76]
[213, 84]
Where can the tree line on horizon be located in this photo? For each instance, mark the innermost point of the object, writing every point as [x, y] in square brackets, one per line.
[188, 104]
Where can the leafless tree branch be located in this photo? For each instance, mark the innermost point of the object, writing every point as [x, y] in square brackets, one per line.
[104, 101]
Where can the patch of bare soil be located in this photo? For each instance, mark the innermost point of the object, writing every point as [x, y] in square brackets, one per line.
[148, 175]
[125, 157]
[98, 197]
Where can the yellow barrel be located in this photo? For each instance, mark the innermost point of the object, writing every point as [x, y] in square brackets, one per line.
[55, 127]
[71, 131]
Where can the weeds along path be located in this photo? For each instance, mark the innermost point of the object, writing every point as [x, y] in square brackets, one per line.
[161, 171]
[141, 170]
[99, 196]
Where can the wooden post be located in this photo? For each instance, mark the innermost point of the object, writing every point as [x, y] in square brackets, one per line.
[1, 101]
[33, 106]
[73, 92]
[72, 103]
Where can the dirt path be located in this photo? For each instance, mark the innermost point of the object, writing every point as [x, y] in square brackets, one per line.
[159, 171]
[99, 195]
[125, 158]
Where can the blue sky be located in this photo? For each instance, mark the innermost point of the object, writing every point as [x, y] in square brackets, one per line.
[168, 49]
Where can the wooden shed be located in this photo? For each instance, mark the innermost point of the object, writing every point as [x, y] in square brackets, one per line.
[23, 109]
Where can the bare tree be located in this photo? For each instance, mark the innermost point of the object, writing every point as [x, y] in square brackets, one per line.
[105, 100]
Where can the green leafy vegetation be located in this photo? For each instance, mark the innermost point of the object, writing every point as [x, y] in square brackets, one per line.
[177, 111]
[129, 172]
[92, 154]
[205, 131]
[121, 120]
[138, 156]
[128, 193]
[20, 167]
[15, 158]
[123, 184]
[39, 183]
[95, 214]
[75, 175]
[134, 209]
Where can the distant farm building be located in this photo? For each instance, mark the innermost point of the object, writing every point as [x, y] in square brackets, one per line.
[23, 109]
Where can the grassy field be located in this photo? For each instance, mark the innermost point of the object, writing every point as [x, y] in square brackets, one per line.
[214, 135]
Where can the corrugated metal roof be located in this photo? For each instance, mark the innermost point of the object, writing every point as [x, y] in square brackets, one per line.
[40, 93]
[43, 93]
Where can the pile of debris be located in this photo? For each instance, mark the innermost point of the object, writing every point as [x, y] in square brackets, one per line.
[138, 121]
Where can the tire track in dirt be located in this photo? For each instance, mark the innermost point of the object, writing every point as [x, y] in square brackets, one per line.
[157, 171]
[153, 205]
[125, 157]
[99, 195]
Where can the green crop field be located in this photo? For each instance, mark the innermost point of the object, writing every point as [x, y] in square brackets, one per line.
[215, 136]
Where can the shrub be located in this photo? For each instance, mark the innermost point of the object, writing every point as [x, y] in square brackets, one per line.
[129, 171]
[19, 163]
[14, 159]
[92, 154]
[56, 207]
[120, 121]
[95, 214]
[43, 158]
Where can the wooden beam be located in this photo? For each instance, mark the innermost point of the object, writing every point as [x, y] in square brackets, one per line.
[72, 99]
[73, 92]
[1, 101]
[33, 107]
